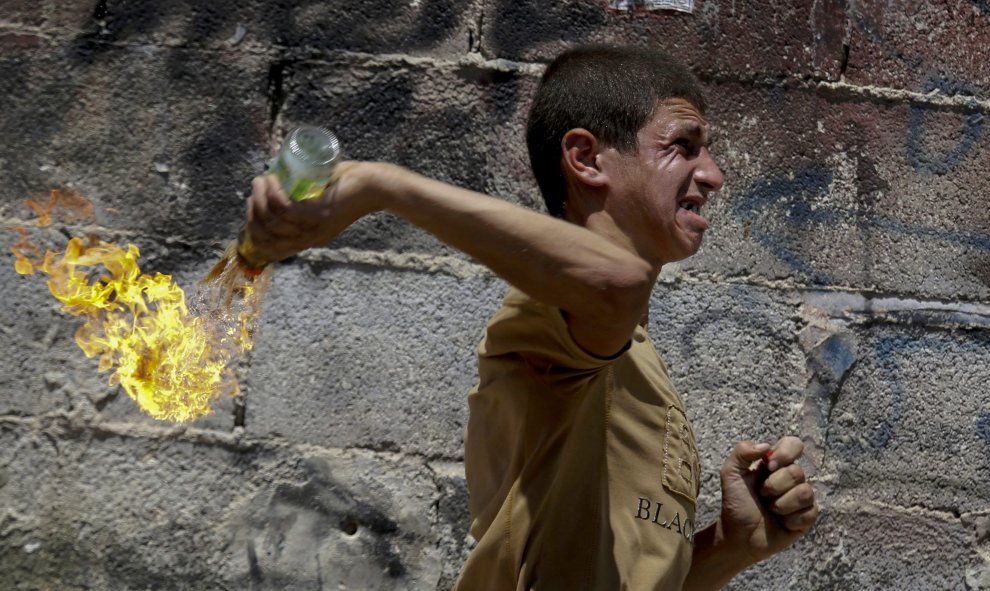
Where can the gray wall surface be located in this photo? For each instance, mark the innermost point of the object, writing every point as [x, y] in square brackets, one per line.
[843, 293]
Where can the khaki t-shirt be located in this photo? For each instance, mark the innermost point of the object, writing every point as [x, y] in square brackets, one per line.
[583, 472]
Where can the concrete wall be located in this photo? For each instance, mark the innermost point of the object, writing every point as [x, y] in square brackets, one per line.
[843, 293]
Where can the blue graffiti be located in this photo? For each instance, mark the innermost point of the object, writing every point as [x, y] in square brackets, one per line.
[791, 198]
[976, 241]
[983, 427]
[889, 353]
[856, 16]
[917, 156]
[796, 192]
[837, 356]
[885, 351]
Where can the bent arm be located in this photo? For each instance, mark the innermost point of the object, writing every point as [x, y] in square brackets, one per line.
[604, 288]
[766, 506]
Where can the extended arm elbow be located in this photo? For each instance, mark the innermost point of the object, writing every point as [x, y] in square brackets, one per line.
[605, 316]
[625, 292]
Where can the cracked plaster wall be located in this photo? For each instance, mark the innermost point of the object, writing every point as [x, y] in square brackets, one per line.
[843, 293]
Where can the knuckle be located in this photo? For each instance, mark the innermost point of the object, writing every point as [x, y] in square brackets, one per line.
[796, 472]
[796, 444]
[769, 492]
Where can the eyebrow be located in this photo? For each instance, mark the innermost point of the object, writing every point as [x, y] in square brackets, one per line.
[694, 130]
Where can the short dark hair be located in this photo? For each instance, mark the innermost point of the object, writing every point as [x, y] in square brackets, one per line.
[610, 91]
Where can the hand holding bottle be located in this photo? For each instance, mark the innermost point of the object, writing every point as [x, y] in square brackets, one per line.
[279, 227]
[287, 212]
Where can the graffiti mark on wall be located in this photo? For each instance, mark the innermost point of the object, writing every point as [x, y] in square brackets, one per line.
[872, 33]
[983, 427]
[922, 161]
[983, 5]
[789, 197]
[918, 157]
[783, 209]
[879, 421]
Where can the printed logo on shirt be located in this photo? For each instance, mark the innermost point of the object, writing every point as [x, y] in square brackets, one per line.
[654, 512]
[680, 457]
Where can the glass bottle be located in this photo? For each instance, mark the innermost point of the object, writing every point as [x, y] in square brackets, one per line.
[304, 166]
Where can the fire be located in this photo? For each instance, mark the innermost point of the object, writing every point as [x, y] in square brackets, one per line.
[171, 361]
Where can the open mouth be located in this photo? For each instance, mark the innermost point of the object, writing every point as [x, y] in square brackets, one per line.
[691, 206]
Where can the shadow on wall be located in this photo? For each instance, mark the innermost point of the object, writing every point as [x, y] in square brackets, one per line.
[116, 72]
[369, 25]
[298, 535]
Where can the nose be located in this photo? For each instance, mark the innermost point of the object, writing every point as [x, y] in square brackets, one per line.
[707, 174]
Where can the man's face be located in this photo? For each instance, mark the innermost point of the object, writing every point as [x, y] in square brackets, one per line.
[658, 192]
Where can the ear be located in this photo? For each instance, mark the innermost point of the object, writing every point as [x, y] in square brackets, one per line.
[580, 152]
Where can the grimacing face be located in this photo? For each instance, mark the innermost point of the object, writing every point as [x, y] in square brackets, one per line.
[660, 189]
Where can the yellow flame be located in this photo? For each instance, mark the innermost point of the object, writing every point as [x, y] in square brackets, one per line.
[22, 250]
[71, 205]
[171, 362]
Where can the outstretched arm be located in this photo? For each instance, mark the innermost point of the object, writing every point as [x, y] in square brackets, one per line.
[766, 507]
[603, 288]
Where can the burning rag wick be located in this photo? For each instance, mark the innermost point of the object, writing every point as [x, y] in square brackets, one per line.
[172, 362]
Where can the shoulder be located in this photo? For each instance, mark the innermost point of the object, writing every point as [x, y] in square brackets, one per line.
[528, 327]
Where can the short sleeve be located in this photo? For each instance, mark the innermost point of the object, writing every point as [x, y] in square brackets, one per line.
[527, 327]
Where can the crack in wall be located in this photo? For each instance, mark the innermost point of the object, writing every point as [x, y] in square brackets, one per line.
[834, 394]
[240, 410]
[276, 93]
[100, 11]
[846, 44]
[475, 32]
[830, 360]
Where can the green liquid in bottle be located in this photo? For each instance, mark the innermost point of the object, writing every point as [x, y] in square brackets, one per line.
[305, 162]
[303, 166]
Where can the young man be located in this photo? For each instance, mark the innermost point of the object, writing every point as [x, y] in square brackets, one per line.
[581, 464]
